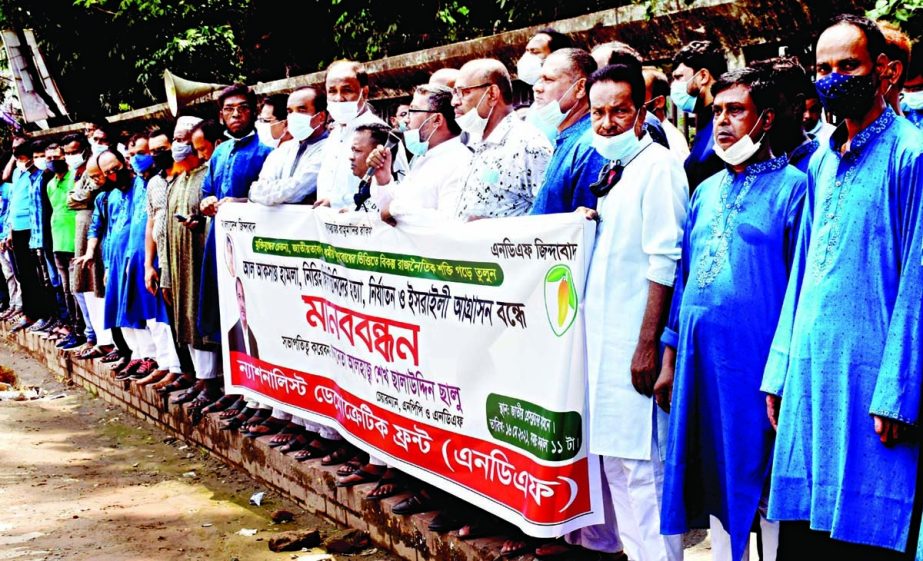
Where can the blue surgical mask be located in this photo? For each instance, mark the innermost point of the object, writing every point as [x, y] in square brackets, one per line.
[913, 100]
[141, 163]
[412, 140]
[549, 117]
[683, 101]
[181, 151]
[618, 148]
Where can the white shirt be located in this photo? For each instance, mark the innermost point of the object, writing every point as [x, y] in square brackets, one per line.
[507, 170]
[679, 146]
[279, 183]
[335, 179]
[637, 242]
[432, 184]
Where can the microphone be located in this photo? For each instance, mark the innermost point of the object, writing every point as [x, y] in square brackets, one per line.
[364, 192]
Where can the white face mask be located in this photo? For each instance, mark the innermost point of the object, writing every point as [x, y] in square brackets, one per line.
[742, 150]
[344, 111]
[74, 161]
[264, 132]
[549, 117]
[529, 68]
[913, 100]
[472, 122]
[23, 166]
[299, 125]
[97, 148]
[618, 148]
[41, 163]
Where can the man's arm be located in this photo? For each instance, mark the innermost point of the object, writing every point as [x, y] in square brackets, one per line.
[644, 362]
[151, 278]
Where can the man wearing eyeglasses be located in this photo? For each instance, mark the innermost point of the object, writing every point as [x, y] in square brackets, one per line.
[510, 156]
[233, 167]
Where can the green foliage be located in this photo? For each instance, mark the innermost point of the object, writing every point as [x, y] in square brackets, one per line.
[907, 14]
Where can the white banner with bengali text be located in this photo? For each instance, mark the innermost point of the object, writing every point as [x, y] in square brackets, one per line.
[454, 352]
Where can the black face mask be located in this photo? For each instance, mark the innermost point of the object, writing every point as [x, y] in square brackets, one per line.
[122, 180]
[163, 160]
[58, 166]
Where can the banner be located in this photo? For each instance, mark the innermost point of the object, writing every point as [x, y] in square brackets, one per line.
[453, 352]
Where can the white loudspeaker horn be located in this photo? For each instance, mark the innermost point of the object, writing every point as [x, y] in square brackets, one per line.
[180, 91]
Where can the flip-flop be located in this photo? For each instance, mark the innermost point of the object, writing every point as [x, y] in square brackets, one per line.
[363, 477]
[396, 487]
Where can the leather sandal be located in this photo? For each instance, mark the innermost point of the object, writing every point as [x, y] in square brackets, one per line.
[391, 478]
[359, 477]
[272, 425]
[353, 465]
[286, 435]
[339, 455]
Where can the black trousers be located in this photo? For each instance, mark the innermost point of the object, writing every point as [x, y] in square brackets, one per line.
[35, 304]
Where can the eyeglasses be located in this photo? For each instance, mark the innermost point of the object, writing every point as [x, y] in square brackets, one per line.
[232, 109]
[460, 91]
[268, 122]
[113, 171]
[422, 111]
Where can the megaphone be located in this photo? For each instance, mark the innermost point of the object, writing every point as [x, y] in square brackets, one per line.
[180, 91]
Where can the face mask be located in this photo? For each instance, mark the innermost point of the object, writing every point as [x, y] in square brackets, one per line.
[343, 111]
[41, 163]
[402, 126]
[141, 163]
[97, 148]
[529, 68]
[163, 160]
[122, 180]
[618, 148]
[181, 151]
[264, 132]
[846, 96]
[683, 101]
[74, 161]
[57, 166]
[23, 166]
[816, 130]
[472, 122]
[413, 143]
[549, 117]
[299, 125]
[743, 149]
[913, 100]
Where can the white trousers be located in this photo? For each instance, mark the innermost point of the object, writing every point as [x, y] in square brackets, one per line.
[600, 537]
[96, 307]
[637, 495]
[281, 415]
[721, 541]
[12, 283]
[205, 363]
[155, 341]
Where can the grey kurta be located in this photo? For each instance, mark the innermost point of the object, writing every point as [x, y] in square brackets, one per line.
[80, 199]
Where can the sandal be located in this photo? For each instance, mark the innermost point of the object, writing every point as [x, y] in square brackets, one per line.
[295, 444]
[339, 456]
[234, 410]
[353, 465]
[317, 448]
[415, 504]
[236, 421]
[517, 546]
[272, 425]
[359, 477]
[286, 435]
[391, 478]
[256, 418]
[224, 403]
[557, 549]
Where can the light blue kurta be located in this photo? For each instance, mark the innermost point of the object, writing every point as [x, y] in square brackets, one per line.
[836, 338]
[140, 305]
[738, 247]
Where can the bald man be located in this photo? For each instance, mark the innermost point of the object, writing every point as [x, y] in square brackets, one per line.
[444, 77]
[510, 156]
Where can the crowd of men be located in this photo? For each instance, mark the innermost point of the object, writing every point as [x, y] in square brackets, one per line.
[754, 302]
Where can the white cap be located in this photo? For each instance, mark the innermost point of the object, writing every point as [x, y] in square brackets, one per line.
[186, 123]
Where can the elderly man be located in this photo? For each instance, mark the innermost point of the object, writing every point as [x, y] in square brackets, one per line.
[696, 66]
[562, 110]
[510, 156]
[347, 85]
[539, 47]
[717, 471]
[642, 206]
[857, 281]
[290, 172]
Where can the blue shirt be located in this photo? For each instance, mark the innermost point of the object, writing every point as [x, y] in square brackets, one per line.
[4, 209]
[737, 250]
[21, 201]
[38, 212]
[574, 166]
[800, 157]
[234, 165]
[702, 161]
[841, 334]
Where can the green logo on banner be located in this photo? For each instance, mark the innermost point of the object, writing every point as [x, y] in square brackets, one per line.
[560, 299]
[547, 435]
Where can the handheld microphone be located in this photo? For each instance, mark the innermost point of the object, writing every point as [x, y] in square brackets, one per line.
[364, 192]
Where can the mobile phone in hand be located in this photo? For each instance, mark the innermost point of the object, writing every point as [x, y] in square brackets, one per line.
[180, 218]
